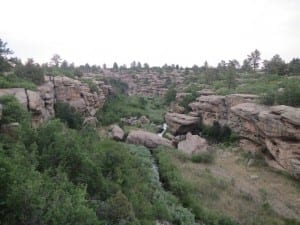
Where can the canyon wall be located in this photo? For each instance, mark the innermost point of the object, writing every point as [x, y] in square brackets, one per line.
[60, 89]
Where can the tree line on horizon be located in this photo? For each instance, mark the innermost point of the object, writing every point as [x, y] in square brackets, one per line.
[253, 63]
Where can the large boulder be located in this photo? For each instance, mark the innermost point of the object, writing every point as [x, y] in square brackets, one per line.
[149, 140]
[116, 132]
[181, 123]
[193, 144]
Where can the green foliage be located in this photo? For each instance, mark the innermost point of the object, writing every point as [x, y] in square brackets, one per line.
[218, 133]
[4, 51]
[187, 100]
[122, 106]
[289, 96]
[30, 72]
[170, 96]
[93, 87]
[12, 81]
[66, 176]
[13, 111]
[204, 157]
[68, 115]
[119, 87]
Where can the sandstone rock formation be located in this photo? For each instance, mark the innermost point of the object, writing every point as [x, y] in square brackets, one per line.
[64, 89]
[217, 107]
[193, 144]
[275, 128]
[116, 132]
[149, 140]
[79, 95]
[181, 123]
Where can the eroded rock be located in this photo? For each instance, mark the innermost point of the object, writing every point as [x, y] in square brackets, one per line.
[149, 140]
[181, 123]
[116, 132]
[193, 144]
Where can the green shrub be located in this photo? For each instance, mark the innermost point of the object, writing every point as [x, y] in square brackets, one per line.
[12, 81]
[187, 100]
[30, 72]
[204, 157]
[13, 111]
[170, 96]
[68, 115]
[218, 133]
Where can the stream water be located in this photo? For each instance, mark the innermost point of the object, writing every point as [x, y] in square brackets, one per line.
[165, 126]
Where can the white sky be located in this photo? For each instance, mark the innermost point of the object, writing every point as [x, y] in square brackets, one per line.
[183, 32]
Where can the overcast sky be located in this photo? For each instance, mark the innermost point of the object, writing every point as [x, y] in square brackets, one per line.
[183, 32]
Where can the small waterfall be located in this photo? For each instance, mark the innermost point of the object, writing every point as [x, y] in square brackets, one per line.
[165, 126]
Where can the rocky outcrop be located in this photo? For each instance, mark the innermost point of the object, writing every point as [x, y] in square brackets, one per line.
[63, 89]
[181, 123]
[276, 128]
[259, 127]
[149, 140]
[79, 95]
[116, 132]
[217, 107]
[193, 144]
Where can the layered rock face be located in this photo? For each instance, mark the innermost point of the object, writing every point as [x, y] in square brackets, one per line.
[62, 89]
[79, 95]
[275, 128]
[148, 139]
[217, 107]
[181, 123]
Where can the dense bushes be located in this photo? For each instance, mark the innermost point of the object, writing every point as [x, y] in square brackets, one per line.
[12, 81]
[68, 115]
[31, 72]
[217, 133]
[122, 106]
[289, 95]
[67, 176]
[170, 96]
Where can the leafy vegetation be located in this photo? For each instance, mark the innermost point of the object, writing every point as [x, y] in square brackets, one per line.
[92, 181]
[68, 115]
[170, 96]
[12, 81]
[122, 106]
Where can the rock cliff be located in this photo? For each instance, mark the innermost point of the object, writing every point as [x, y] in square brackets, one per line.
[60, 89]
[275, 129]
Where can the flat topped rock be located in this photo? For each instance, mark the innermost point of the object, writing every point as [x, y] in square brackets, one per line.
[181, 118]
[148, 139]
[181, 123]
[248, 109]
[291, 114]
